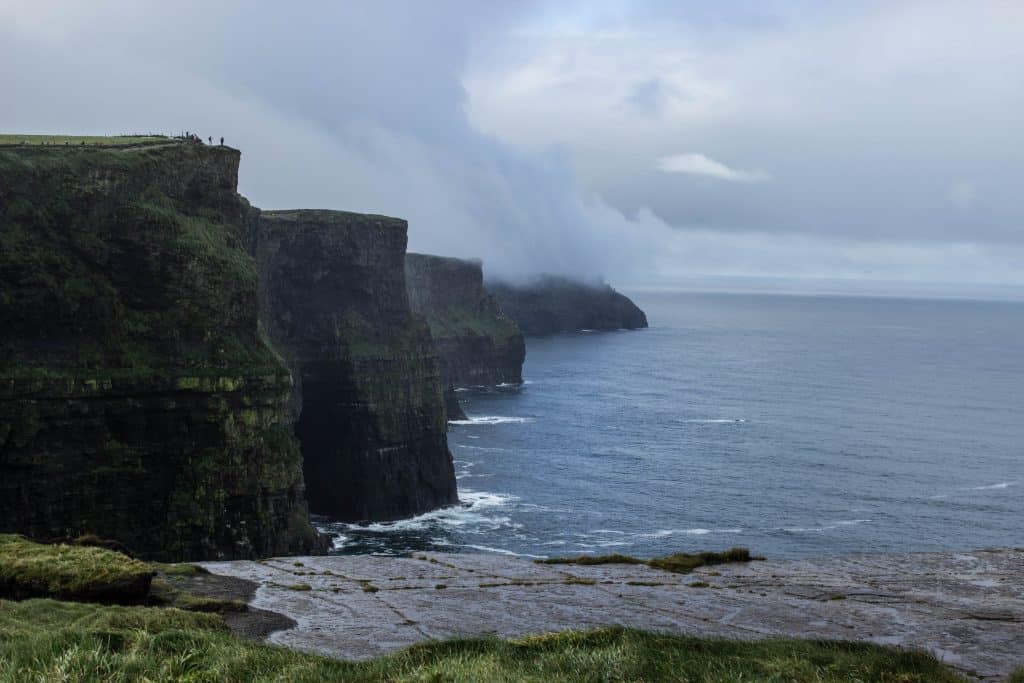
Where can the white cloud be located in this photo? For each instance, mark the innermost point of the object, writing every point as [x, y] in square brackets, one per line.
[698, 164]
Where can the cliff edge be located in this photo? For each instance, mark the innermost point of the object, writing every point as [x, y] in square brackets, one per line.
[477, 344]
[556, 304]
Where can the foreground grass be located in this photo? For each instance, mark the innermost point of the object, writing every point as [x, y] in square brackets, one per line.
[48, 640]
[679, 563]
[70, 572]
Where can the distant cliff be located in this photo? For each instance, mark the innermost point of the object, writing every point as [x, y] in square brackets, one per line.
[477, 344]
[367, 394]
[555, 304]
[137, 399]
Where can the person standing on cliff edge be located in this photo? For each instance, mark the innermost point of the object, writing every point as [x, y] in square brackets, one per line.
[221, 140]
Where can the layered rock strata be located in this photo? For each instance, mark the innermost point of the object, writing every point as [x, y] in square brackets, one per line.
[367, 396]
[138, 401]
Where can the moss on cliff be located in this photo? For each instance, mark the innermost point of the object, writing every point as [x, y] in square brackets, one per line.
[138, 400]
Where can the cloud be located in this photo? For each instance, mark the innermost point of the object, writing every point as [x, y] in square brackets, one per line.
[698, 164]
[536, 135]
[962, 194]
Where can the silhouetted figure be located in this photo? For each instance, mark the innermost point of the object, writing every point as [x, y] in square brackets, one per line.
[210, 138]
[221, 140]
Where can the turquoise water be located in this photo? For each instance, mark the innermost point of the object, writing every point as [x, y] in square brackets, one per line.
[795, 426]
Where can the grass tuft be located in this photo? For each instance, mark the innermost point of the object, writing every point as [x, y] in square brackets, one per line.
[70, 572]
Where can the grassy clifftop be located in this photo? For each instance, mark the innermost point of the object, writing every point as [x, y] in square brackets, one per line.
[125, 259]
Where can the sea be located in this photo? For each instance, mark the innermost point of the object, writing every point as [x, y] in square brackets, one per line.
[795, 426]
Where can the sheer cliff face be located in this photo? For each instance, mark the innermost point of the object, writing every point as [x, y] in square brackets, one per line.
[137, 401]
[367, 396]
[554, 304]
[477, 344]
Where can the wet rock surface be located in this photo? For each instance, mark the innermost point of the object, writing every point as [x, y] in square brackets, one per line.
[966, 608]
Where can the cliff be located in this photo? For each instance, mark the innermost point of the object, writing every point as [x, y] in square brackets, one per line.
[138, 401]
[477, 344]
[555, 304]
[367, 395]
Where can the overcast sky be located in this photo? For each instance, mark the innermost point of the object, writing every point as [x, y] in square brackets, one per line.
[646, 142]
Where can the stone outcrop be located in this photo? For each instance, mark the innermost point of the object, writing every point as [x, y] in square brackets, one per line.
[138, 401]
[367, 397]
[965, 607]
[477, 344]
[555, 304]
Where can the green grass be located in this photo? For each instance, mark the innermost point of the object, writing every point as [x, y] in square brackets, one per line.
[679, 563]
[46, 640]
[1017, 676]
[70, 572]
[107, 140]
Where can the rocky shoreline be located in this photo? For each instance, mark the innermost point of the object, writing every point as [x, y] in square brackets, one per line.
[966, 608]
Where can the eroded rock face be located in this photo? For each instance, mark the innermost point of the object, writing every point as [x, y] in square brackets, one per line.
[367, 396]
[554, 304]
[477, 344]
[137, 400]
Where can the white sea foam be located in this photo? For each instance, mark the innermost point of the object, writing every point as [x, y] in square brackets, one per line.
[992, 487]
[696, 531]
[716, 421]
[474, 512]
[479, 448]
[499, 551]
[827, 527]
[491, 420]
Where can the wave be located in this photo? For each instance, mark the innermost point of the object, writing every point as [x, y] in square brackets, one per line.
[992, 487]
[491, 420]
[716, 420]
[469, 513]
[696, 531]
[499, 551]
[827, 527]
[479, 448]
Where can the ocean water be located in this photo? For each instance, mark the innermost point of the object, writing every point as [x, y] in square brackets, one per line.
[793, 425]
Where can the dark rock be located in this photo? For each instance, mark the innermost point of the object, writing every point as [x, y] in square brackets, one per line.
[477, 344]
[452, 408]
[368, 401]
[137, 399]
[555, 304]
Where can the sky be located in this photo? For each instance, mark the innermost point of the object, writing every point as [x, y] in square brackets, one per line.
[648, 143]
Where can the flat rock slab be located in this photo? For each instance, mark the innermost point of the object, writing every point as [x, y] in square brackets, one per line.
[966, 608]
